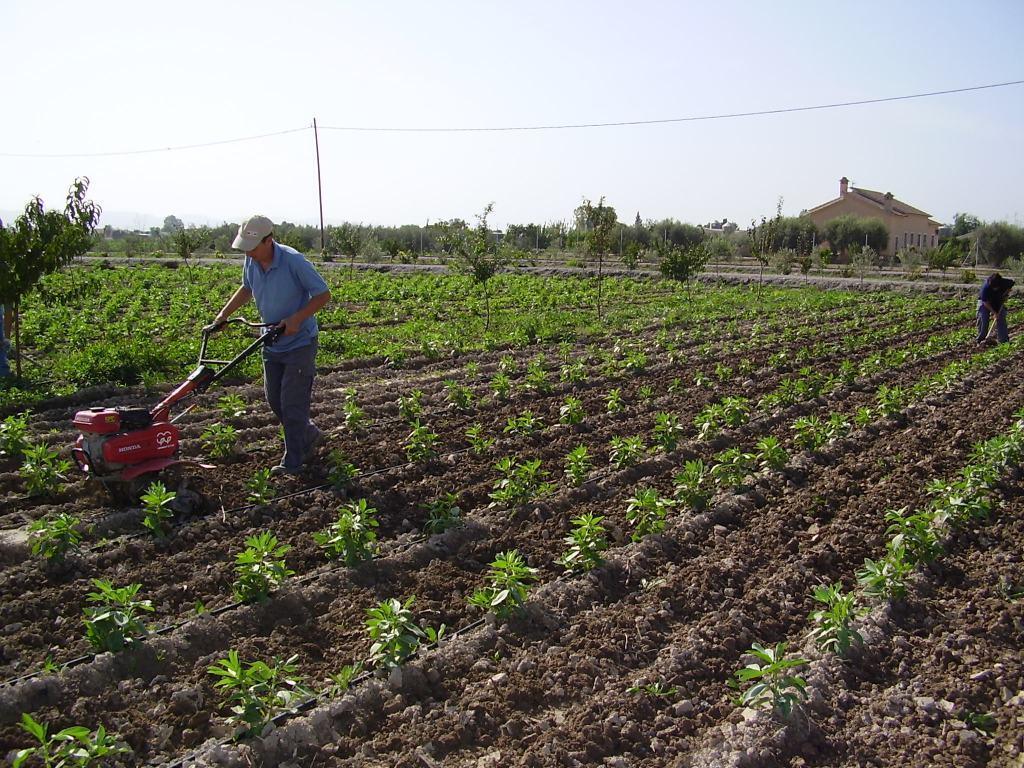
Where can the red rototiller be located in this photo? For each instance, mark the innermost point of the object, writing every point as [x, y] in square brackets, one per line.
[127, 448]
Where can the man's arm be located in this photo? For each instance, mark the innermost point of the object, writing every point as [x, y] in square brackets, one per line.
[239, 299]
[315, 304]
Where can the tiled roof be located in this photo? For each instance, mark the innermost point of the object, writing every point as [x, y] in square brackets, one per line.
[897, 205]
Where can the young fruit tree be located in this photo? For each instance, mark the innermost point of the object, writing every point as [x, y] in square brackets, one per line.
[477, 254]
[682, 262]
[598, 222]
[40, 242]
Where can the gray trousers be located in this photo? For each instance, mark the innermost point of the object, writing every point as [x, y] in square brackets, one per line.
[288, 381]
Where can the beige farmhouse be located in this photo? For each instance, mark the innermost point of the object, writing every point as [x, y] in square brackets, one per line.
[908, 226]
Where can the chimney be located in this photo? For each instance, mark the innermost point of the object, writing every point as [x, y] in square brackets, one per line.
[842, 186]
[888, 202]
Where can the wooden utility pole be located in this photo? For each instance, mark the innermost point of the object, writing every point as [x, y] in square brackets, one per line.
[319, 186]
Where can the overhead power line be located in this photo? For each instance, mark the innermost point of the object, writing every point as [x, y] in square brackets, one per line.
[159, 149]
[556, 127]
[692, 119]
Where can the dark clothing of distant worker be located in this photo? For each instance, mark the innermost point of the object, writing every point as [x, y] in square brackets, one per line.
[992, 302]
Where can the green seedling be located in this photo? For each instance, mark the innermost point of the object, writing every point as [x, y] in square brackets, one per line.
[257, 692]
[260, 567]
[647, 511]
[537, 378]
[625, 451]
[42, 470]
[421, 444]
[394, 634]
[770, 453]
[809, 432]
[915, 533]
[573, 373]
[113, 623]
[13, 436]
[260, 488]
[501, 385]
[891, 400]
[571, 411]
[668, 431]
[352, 537]
[510, 578]
[694, 486]
[732, 468]
[586, 543]
[54, 536]
[156, 510]
[645, 393]
[520, 482]
[443, 513]
[524, 424]
[770, 681]
[459, 395]
[886, 578]
[231, 406]
[507, 364]
[352, 415]
[74, 746]
[578, 464]
[614, 403]
[832, 631]
[219, 440]
[982, 722]
[658, 690]
[340, 471]
[410, 407]
[478, 441]
[342, 680]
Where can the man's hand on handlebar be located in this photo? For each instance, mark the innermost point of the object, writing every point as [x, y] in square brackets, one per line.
[215, 326]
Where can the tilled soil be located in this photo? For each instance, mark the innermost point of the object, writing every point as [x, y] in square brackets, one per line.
[570, 681]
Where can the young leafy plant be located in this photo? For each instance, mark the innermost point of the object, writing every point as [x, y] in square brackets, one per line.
[459, 395]
[410, 407]
[13, 436]
[353, 415]
[615, 403]
[42, 470]
[578, 464]
[694, 486]
[668, 431]
[770, 453]
[231, 406]
[886, 578]
[394, 634]
[510, 578]
[54, 536]
[625, 451]
[156, 510]
[524, 424]
[647, 511]
[113, 623]
[571, 411]
[771, 683]
[352, 537]
[478, 440]
[260, 488]
[586, 542]
[443, 513]
[520, 482]
[260, 567]
[832, 631]
[258, 692]
[73, 746]
[421, 444]
[219, 440]
[340, 471]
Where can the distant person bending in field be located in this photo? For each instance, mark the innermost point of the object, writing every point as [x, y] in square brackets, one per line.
[992, 302]
[5, 342]
[288, 291]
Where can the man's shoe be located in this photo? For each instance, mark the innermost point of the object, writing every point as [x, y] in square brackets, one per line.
[281, 469]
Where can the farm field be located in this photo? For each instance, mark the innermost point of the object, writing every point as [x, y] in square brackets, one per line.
[729, 451]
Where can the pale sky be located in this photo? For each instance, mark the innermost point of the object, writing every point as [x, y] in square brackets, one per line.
[119, 77]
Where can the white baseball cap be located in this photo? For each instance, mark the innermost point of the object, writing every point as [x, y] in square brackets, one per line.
[252, 231]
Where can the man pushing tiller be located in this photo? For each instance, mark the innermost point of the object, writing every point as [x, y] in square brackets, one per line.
[288, 292]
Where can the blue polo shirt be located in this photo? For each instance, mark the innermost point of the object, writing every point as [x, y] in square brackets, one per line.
[282, 290]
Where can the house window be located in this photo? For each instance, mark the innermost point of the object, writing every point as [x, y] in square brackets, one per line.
[933, 241]
[904, 239]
